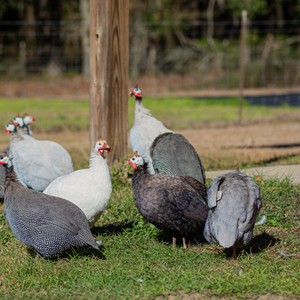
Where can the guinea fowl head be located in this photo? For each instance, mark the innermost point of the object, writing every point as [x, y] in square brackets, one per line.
[10, 127]
[101, 147]
[18, 121]
[136, 161]
[137, 93]
[5, 160]
[27, 119]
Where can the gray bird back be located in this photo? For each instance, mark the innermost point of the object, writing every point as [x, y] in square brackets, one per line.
[49, 224]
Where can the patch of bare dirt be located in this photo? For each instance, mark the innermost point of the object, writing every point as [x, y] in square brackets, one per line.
[197, 296]
[254, 144]
[219, 146]
[222, 147]
[77, 87]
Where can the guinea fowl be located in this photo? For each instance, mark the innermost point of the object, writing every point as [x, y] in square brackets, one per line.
[46, 223]
[175, 204]
[234, 202]
[49, 160]
[165, 151]
[24, 130]
[89, 189]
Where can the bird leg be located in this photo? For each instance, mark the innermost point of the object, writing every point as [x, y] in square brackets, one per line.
[173, 241]
[184, 243]
[234, 252]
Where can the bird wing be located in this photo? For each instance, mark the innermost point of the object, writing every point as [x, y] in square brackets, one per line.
[195, 184]
[58, 155]
[181, 197]
[212, 192]
[33, 165]
[47, 209]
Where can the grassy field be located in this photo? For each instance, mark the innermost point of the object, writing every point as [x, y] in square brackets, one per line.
[176, 113]
[137, 260]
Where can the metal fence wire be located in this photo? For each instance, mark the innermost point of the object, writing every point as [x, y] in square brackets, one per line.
[271, 58]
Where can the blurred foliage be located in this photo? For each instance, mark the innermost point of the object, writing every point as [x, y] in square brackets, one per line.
[166, 37]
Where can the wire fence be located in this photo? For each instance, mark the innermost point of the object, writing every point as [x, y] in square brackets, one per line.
[206, 54]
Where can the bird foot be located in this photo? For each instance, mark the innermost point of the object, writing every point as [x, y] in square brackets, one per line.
[174, 242]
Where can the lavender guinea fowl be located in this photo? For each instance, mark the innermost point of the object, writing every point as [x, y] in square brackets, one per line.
[48, 160]
[175, 204]
[89, 189]
[165, 151]
[234, 202]
[46, 223]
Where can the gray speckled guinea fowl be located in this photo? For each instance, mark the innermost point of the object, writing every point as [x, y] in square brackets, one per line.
[175, 204]
[234, 202]
[162, 149]
[46, 223]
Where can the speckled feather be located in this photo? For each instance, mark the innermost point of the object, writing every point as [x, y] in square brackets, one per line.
[170, 202]
[49, 224]
[172, 154]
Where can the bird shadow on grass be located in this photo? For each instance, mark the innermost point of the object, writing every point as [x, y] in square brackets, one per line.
[111, 229]
[258, 244]
[72, 253]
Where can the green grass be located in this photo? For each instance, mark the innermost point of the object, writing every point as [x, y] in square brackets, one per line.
[137, 260]
[175, 113]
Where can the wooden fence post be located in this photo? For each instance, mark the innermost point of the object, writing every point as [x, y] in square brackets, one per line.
[109, 74]
[242, 63]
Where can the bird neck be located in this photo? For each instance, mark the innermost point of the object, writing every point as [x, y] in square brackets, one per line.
[97, 161]
[10, 178]
[141, 112]
[138, 174]
[15, 136]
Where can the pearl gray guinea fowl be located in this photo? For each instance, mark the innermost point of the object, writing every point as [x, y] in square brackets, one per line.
[46, 223]
[48, 160]
[164, 151]
[175, 204]
[234, 202]
[24, 129]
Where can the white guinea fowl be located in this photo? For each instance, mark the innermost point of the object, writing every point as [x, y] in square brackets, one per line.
[89, 189]
[163, 150]
[48, 160]
[145, 129]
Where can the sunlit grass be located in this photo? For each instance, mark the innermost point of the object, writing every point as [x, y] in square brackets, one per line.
[175, 113]
[139, 262]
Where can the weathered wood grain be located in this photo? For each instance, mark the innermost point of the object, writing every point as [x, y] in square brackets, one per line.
[109, 74]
